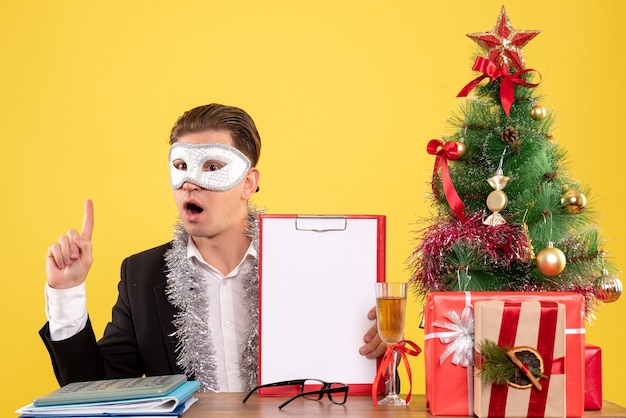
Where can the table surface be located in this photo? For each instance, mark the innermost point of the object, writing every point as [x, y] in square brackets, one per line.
[230, 404]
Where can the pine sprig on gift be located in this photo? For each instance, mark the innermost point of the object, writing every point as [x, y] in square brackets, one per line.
[495, 366]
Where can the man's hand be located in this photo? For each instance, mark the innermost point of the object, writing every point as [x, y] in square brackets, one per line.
[68, 260]
[374, 347]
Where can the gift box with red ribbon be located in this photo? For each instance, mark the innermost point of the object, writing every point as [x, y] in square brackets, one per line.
[532, 337]
[593, 377]
[449, 348]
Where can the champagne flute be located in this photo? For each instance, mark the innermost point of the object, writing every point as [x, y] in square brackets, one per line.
[390, 312]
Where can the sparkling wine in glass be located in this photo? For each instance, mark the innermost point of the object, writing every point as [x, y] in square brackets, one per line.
[390, 313]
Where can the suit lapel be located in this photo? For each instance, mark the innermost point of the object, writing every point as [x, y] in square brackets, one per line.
[166, 313]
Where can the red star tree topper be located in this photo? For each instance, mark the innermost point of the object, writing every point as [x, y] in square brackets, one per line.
[504, 44]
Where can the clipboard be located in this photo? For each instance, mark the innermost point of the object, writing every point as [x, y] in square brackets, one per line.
[316, 285]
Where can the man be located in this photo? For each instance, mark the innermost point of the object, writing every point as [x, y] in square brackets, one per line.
[189, 306]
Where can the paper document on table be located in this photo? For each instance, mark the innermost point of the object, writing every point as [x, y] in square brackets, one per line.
[317, 276]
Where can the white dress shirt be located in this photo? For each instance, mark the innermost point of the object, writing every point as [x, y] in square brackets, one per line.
[66, 310]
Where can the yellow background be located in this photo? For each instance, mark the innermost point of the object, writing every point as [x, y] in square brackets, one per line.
[346, 95]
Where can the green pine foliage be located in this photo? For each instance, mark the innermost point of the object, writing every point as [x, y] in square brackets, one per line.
[536, 214]
[495, 366]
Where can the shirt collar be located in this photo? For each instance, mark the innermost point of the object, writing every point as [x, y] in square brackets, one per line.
[193, 254]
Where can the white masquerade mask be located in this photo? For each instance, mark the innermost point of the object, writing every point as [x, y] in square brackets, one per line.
[215, 167]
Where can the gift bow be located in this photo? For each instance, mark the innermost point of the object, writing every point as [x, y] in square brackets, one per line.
[461, 339]
[445, 152]
[387, 361]
[507, 82]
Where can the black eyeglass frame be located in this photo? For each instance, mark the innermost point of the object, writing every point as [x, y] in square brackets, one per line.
[326, 389]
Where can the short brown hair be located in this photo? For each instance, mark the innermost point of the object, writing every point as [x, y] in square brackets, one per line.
[221, 118]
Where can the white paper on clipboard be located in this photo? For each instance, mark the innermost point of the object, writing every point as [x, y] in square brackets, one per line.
[317, 276]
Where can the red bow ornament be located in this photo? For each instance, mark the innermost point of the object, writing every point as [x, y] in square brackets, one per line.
[387, 361]
[507, 81]
[445, 152]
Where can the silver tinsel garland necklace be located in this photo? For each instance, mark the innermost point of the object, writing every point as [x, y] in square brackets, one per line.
[187, 291]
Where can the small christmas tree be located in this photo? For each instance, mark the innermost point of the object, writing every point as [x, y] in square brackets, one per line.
[507, 214]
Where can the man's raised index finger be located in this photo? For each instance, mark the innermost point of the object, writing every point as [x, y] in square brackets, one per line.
[87, 229]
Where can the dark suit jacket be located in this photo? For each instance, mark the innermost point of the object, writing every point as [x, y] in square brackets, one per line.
[138, 339]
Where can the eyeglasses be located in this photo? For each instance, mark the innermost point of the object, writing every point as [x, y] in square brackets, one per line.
[312, 389]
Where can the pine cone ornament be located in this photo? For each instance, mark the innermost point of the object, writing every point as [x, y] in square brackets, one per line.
[509, 135]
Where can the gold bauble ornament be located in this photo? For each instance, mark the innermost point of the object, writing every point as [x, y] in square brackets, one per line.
[460, 148]
[550, 261]
[538, 112]
[607, 287]
[574, 200]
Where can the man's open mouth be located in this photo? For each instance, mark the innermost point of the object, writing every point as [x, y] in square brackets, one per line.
[193, 208]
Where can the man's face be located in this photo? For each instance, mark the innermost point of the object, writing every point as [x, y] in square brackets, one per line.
[207, 160]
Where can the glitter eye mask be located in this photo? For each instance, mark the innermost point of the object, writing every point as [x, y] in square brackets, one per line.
[215, 167]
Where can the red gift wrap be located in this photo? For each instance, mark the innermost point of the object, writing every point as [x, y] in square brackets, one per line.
[449, 346]
[593, 378]
[534, 324]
